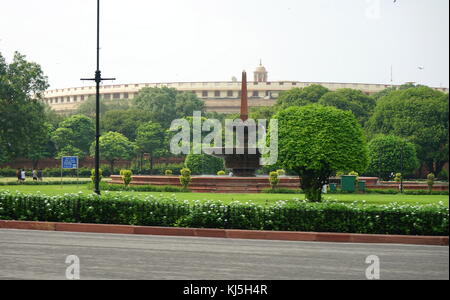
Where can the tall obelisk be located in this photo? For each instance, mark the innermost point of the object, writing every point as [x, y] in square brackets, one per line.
[244, 98]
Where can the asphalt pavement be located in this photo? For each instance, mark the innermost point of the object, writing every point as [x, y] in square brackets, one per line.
[44, 255]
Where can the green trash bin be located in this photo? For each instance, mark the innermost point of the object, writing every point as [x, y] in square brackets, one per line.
[348, 183]
[362, 186]
[333, 188]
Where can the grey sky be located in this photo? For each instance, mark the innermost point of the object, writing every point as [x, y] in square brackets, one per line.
[213, 40]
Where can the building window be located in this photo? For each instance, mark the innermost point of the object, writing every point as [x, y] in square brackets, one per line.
[255, 94]
[107, 96]
[75, 98]
[82, 98]
[116, 96]
[230, 94]
[217, 94]
[294, 83]
[125, 95]
[205, 94]
[281, 83]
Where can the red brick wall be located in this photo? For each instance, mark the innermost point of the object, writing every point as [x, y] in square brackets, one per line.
[87, 162]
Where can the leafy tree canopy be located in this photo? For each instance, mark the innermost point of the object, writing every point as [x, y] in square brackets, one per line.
[125, 122]
[387, 153]
[355, 101]
[167, 104]
[114, 146]
[81, 134]
[301, 96]
[420, 115]
[89, 107]
[316, 141]
[22, 84]
[150, 138]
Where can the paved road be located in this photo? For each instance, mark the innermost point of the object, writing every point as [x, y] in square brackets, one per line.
[42, 255]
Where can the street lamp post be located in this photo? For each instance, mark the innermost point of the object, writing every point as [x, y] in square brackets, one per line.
[401, 170]
[98, 79]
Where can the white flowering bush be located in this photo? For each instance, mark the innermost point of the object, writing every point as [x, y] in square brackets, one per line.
[293, 215]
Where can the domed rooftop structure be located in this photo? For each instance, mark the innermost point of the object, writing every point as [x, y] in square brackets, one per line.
[261, 73]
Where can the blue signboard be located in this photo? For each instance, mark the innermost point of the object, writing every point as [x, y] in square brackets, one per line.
[69, 162]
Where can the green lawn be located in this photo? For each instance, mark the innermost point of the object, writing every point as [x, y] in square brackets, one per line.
[264, 199]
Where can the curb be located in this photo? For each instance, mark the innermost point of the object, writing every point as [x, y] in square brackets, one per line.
[230, 233]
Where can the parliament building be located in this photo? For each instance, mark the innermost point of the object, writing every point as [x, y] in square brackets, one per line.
[221, 97]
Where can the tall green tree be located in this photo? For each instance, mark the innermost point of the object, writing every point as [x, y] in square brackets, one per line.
[89, 108]
[22, 84]
[391, 154]
[360, 104]
[301, 96]
[167, 104]
[114, 146]
[187, 103]
[150, 138]
[125, 122]
[42, 146]
[316, 141]
[80, 132]
[420, 115]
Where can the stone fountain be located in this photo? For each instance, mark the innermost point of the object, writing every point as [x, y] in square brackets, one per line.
[243, 158]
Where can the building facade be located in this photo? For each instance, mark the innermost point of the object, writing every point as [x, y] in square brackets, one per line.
[221, 97]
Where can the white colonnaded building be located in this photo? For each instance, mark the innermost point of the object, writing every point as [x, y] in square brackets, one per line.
[221, 97]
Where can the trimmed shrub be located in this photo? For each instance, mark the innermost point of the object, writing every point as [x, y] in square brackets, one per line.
[221, 173]
[430, 181]
[185, 178]
[126, 176]
[168, 172]
[100, 175]
[274, 180]
[202, 164]
[281, 172]
[293, 215]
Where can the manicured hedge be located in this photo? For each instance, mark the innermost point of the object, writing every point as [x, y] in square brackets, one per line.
[286, 216]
